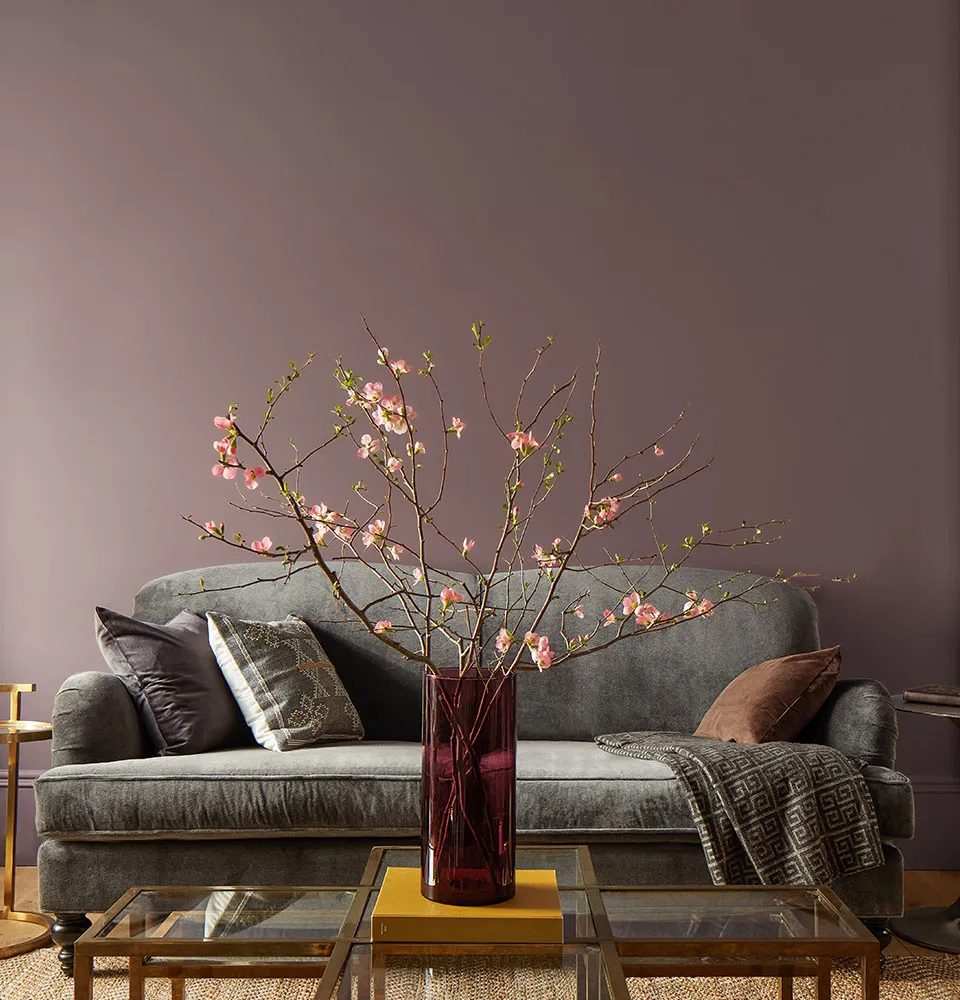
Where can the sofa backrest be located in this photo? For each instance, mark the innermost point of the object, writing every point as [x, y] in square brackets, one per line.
[665, 680]
[659, 681]
[385, 687]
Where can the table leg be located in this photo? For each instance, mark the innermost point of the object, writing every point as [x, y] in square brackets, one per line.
[786, 986]
[823, 978]
[871, 975]
[135, 975]
[83, 977]
[178, 987]
[9, 861]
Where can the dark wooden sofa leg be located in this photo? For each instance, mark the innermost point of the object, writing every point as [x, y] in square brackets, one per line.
[65, 931]
[880, 928]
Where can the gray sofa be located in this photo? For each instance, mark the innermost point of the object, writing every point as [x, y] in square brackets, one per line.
[111, 816]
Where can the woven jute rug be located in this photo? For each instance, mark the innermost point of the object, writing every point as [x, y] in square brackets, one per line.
[36, 976]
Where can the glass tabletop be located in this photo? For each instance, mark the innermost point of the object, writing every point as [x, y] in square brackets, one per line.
[742, 913]
[229, 914]
[22, 731]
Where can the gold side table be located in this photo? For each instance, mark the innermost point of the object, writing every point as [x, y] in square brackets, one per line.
[936, 927]
[13, 732]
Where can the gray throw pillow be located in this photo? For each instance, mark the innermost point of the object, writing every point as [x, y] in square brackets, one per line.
[173, 678]
[283, 682]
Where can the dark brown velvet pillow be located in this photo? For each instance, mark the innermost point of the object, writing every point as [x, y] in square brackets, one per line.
[772, 700]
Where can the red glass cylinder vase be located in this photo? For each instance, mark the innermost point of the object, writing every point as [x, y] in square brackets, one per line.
[468, 787]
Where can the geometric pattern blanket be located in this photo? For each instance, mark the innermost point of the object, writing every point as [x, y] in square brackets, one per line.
[768, 813]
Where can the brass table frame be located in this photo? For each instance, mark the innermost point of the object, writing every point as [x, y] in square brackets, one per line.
[326, 958]
[936, 927]
[13, 732]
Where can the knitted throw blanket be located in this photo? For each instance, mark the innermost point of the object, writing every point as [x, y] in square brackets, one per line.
[770, 813]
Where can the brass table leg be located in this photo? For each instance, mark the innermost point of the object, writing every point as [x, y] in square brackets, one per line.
[823, 978]
[871, 975]
[786, 986]
[83, 977]
[135, 974]
[41, 936]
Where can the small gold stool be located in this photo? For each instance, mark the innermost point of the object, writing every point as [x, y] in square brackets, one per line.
[13, 732]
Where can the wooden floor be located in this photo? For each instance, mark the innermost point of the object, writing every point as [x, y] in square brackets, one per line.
[921, 888]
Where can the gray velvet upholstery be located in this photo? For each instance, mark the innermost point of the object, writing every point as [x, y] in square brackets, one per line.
[95, 719]
[563, 787]
[112, 816]
[666, 680]
[859, 719]
[89, 876]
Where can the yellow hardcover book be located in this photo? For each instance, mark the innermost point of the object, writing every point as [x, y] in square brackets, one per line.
[402, 915]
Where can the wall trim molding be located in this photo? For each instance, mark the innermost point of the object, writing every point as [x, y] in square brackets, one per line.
[26, 777]
[936, 786]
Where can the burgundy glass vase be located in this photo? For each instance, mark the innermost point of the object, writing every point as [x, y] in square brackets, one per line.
[468, 787]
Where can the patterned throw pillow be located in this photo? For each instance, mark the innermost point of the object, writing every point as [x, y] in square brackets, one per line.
[283, 682]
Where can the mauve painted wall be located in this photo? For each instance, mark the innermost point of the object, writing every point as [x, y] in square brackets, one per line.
[753, 204]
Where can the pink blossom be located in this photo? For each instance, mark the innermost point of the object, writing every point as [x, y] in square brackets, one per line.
[394, 464]
[382, 355]
[217, 470]
[449, 596]
[400, 367]
[213, 527]
[602, 512]
[323, 513]
[541, 654]
[223, 423]
[395, 552]
[383, 626]
[372, 392]
[609, 618]
[418, 575]
[515, 512]
[416, 449]
[504, 641]
[630, 603]
[319, 534]
[531, 639]
[229, 472]
[581, 640]
[468, 544]
[458, 425]
[393, 415]
[368, 446]
[523, 442]
[262, 545]
[694, 607]
[344, 532]
[545, 559]
[616, 477]
[647, 614]
[251, 476]
[375, 532]
[578, 611]
[225, 447]
[658, 451]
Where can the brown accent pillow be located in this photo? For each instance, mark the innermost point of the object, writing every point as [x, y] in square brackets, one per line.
[772, 700]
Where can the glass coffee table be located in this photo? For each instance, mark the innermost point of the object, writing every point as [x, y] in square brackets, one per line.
[611, 933]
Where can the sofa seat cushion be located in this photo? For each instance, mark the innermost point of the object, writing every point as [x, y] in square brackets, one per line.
[373, 789]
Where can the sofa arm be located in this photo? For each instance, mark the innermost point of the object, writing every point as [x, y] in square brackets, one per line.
[95, 719]
[859, 719]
